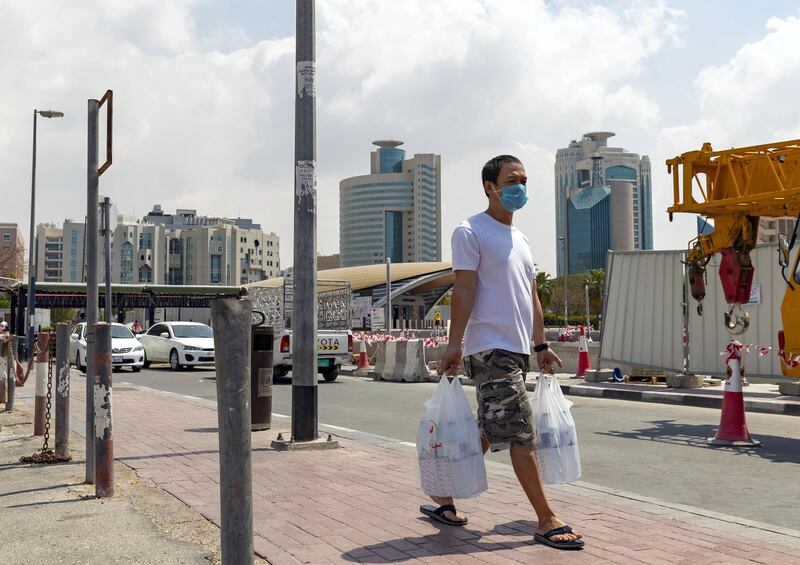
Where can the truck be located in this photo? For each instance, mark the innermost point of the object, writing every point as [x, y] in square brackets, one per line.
[273, 306]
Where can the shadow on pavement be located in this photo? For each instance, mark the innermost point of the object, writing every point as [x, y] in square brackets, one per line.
[38, 489]
[773, 448]
[448, 540]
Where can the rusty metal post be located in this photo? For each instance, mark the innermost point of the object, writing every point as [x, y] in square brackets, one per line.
[11, 384]
[231, 319]
[103, 439]
[62, 391]
[40, 407]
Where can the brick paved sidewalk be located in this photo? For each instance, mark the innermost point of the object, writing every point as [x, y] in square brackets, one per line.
[360, 504]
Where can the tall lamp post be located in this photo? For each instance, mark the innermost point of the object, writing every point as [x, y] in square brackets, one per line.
[32, 241]
[563, 239]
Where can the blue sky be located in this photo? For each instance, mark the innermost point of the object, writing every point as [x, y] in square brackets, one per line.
[204, 96]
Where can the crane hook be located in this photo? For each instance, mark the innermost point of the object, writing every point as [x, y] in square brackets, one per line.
[737, 320]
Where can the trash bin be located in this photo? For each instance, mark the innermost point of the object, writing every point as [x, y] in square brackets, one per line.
[261, 377]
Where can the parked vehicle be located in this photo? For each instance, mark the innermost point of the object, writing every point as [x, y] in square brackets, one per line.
[181, 344]
[126, 351]
[333, 348]
[273, 305]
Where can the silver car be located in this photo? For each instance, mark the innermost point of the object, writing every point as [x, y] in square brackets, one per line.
[181, 344]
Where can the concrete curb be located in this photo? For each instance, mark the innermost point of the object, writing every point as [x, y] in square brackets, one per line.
[764, 406]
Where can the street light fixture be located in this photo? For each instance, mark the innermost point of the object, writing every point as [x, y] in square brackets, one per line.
[31, 240]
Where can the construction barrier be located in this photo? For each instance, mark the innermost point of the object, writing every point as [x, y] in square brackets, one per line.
[401, 361]
[733, 426]
[583, 355]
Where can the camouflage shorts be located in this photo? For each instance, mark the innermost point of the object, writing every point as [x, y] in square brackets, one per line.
[504, 413]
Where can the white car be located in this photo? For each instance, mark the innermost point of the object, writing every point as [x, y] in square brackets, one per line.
[126, 351]
[179, 344]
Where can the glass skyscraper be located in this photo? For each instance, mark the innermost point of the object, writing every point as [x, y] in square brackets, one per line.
[573, 173]
[393, 212]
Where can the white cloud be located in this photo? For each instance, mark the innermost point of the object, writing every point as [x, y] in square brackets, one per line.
[748, 100]
[206, 121]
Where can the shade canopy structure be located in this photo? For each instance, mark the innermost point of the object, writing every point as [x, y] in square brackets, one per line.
[430, 281]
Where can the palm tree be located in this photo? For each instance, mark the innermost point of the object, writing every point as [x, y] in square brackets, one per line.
[544, 288]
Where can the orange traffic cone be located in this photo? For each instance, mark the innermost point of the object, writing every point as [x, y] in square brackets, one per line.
[363, 362]
[583, 355]
[732, 425]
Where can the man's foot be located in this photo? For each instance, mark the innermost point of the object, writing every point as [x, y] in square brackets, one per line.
[562, 537]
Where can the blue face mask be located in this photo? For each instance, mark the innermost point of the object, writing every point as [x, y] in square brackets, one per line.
[514, 196]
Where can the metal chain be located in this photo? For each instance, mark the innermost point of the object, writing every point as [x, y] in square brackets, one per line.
[50, 355]
[47, 455]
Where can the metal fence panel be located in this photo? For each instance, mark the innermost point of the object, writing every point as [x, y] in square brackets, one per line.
[643, 322]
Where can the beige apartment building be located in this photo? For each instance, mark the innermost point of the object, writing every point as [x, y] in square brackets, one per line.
[180, 248]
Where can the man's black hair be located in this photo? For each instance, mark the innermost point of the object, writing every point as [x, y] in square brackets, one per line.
[491, 170]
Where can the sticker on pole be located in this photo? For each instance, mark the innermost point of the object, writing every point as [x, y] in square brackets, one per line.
[306, 74]
[305, 180]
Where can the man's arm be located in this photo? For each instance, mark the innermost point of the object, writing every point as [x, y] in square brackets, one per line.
[460, 311]
[546, 358]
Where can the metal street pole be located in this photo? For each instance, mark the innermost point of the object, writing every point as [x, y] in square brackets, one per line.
[104, 439]
[31, 245]
[586, 297]
[107, 254]
[32, 235]
[91, 232]
[388, 316]
[566, 272]
[304, 342]
[232, 337]
[62, 391]
[92, 182]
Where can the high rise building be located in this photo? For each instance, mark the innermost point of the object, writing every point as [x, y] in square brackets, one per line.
[180, 248]
[12, 252]
[573, 171]
[49, 253]
[395, 211]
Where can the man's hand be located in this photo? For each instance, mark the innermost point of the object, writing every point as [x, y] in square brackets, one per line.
[545, 359]
[451, 360]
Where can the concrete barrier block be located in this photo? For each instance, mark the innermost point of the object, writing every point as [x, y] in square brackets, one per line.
[401, 361]
[598, 375]
[789, 389]
[684, 381]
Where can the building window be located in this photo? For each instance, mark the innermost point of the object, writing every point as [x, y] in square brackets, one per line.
[6, 237]
[126, 263]
[175, 246]
[145, 274]
[216, 269]
[145, 241]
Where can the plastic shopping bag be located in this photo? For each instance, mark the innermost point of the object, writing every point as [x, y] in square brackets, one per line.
[449, 445]
[556, 443]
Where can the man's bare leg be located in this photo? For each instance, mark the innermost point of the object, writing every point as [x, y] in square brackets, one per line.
[442, 500]
[524, 461]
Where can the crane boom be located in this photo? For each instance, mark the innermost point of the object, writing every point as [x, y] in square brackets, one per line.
[735, 187]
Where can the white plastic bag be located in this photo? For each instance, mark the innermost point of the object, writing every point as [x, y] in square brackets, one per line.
[556, 443]
[449, 445]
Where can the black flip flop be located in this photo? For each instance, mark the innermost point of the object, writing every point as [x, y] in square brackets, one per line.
[545, 539]
[438, 514]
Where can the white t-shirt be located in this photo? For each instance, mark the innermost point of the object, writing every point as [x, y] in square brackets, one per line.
[502, 314]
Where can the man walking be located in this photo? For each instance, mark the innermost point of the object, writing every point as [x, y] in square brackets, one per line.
[496, 308]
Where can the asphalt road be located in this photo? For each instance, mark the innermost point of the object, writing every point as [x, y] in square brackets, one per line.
[654, 450]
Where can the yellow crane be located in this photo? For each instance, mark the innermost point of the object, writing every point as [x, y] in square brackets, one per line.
[734, 188]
